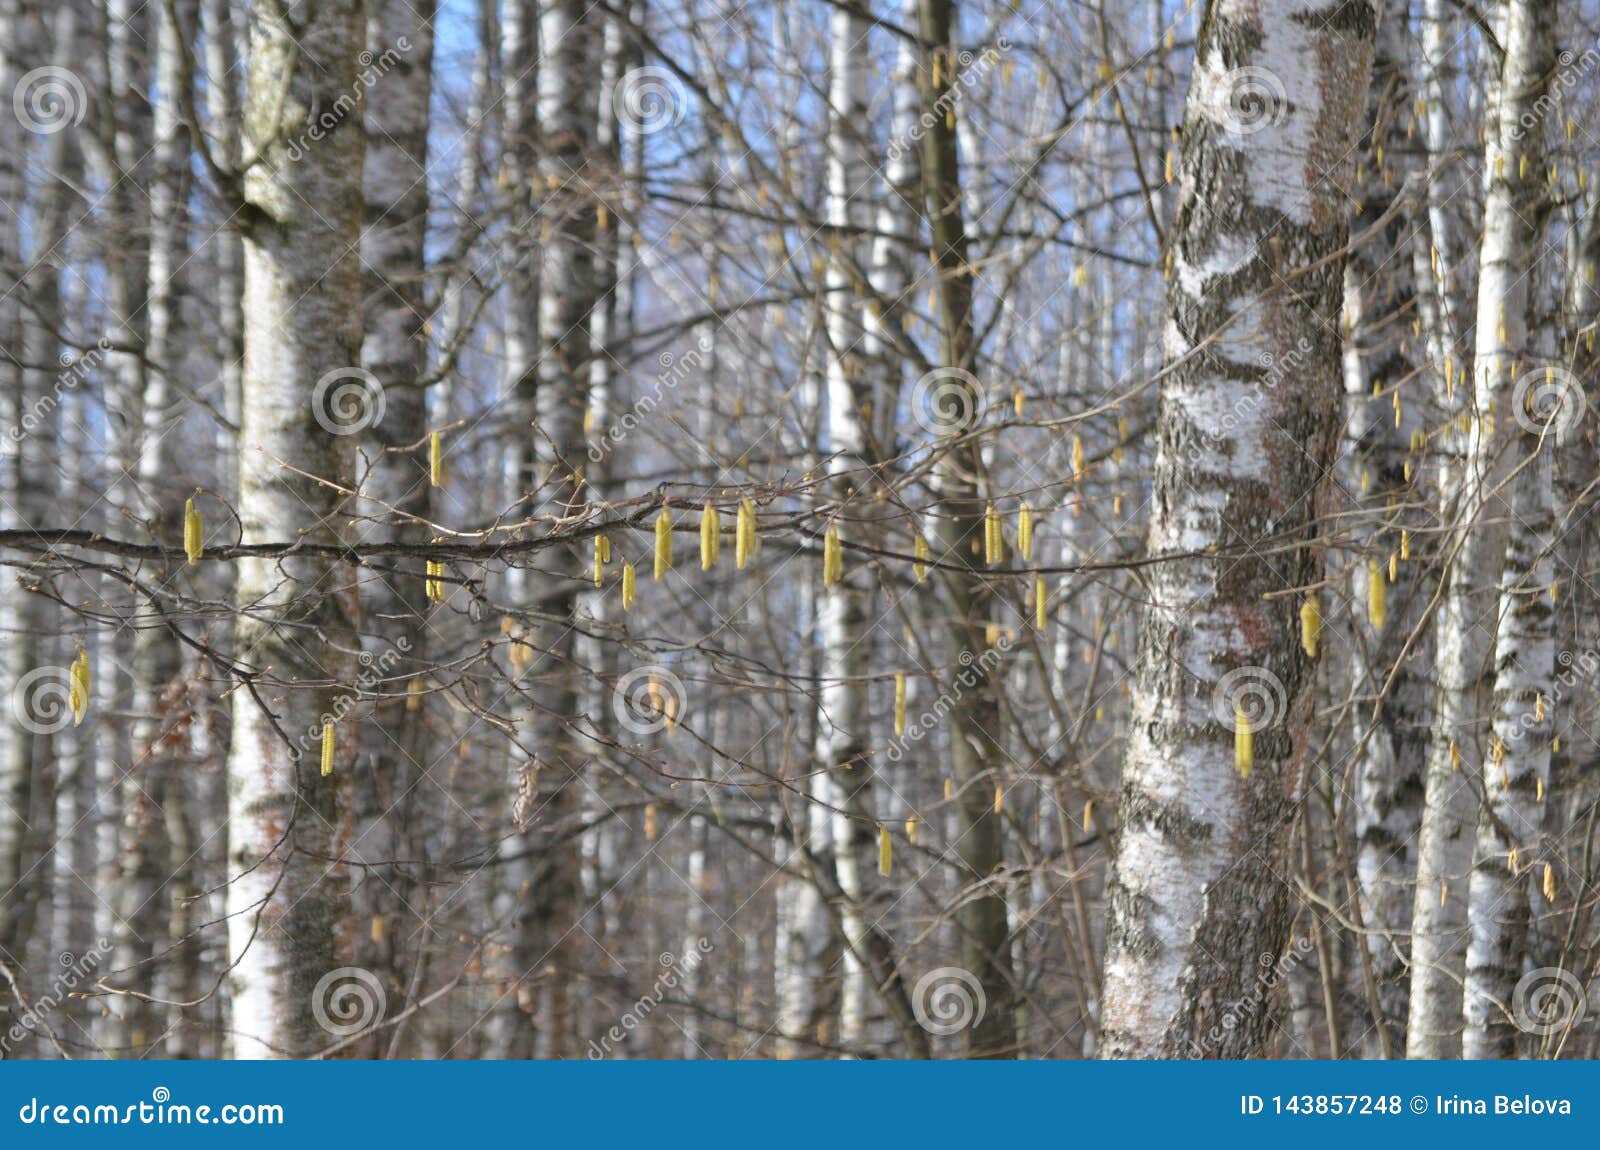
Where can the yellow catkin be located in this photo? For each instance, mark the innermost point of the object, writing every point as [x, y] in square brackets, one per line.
[1244, 744]
[1455, 756]
[376, 929]
[1548, 886]
[885, 852]
[1405, 543]
[899, 703]
[911, 829]
[991, 532]
[193, 532]
[1311, 624]
[78, 686]
[435, 581]
[628, 577]
[919, 552]
[414, 694]
[744, 535]
[1088, 816]
[650, 822]
[1041, 604]
[603, 544]
[1538, 708]
[599, 561]
[1555, 590]
[1025, 532]
[710, 537]
[436, 459]
[1512, 857]
[1394, 566]
[1018, 401]
[949, 789]
[663, 543]
[1377, 596]
[1077, 457]
[327, 749]
[832, 558]
[999, 798]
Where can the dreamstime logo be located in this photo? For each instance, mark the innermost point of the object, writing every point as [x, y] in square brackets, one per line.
[1570, 69]
[1549, 398]
[347, 103]
[946, 401]
[347, 401]
[75, 971]
[970, 70]
[41, 700]
[948, 1000]
[646, 699]
[374, 668]
[74, 370]
[649, 99]
[1273, 970]
[974, 671]
[49, 99]
[1254, 99]
[673, 971]
[348, 1000]
[1252, 692]
[1548, 1001]
[674, 370]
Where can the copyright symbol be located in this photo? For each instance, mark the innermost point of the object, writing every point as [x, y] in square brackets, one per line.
[1419, 1105]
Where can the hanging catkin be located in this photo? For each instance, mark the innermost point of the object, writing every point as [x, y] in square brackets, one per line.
[1377, 597]
[1041, 604]
[919, 552]
[1025, 532]
[436, 460]
[435, 582]
[710, 537]
[744, 538]
[663, 543]
[628, 577]
[193, 533]
[899, 703]
[78, 686]
[1311, 624]
[832, 558]
[1244, 744]
[993, 549]
[885, 851]
[327, 749]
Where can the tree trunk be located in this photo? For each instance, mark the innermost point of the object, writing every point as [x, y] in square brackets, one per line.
[1274, 111]
[303, 398]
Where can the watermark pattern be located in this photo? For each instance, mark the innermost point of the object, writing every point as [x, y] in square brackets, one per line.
[1548, 1001]
[674, 970]
[48, 99]
[348, 1001]
[674, 370]
[647, 699]
[1252, 692]
[1255, 99]
[1570, 69]
[75, 971]
[1273, 970]
[946, 401]
[649, 99]
[973, 672]
[74, 370]
[948, 1000]
[971, 68]
[41, 700]
[159, 1110]
[347, 401]
[373, 670]
[373, 69]
[1549, 398]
